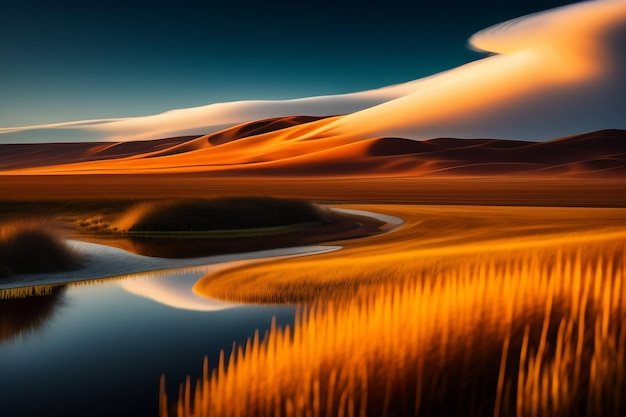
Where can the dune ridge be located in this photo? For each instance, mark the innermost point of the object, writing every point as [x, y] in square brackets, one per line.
[294, 146]
[27, 155]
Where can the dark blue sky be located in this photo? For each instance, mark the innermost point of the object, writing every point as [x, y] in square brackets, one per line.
[70, 60]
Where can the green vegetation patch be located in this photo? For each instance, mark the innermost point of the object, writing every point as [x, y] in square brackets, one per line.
[31, 247]
[223, 214]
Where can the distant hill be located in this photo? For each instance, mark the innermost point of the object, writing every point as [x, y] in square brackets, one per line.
[303, 146]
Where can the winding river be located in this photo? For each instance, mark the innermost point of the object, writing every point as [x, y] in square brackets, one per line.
[97, 343]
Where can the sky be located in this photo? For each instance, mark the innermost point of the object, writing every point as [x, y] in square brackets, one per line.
[76, 60]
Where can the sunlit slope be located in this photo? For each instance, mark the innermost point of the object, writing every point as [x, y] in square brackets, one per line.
[299, 146]
[17, 156]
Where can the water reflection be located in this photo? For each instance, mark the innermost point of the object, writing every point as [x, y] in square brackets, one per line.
[28, 314]
[345, 224]
[103, 262]
[526, 332]
[174, 289]
[103, 352]
[170, 247]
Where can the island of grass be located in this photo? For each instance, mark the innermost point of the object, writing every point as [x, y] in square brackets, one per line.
[185, 227]
[221, 217]
[182, 228]
[27, 247]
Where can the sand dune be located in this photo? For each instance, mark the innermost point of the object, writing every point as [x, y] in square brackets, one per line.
[16, 156]
[258, 128]
[293, 146]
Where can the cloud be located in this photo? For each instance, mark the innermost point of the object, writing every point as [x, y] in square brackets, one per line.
[214, 117]
[553, 74]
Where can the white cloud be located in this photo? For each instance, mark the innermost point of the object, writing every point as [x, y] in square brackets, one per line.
[557, 73]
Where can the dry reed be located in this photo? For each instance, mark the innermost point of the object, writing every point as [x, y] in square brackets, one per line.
[537, 331]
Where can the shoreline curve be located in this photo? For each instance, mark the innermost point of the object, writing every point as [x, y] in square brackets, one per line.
[108, 262]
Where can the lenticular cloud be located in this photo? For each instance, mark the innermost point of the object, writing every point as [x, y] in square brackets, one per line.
[553, 74]
[556, 73]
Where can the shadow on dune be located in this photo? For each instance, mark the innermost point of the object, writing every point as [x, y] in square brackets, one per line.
[259, 127]
[27, 155]
[586, 153]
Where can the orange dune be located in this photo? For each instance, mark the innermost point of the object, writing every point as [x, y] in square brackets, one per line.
[19, 156]
[301, 146]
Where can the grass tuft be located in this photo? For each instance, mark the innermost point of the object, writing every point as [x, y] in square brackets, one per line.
[33, 247]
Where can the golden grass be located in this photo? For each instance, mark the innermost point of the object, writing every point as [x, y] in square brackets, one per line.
[25, 292]
[531, 331]
[431, 237]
